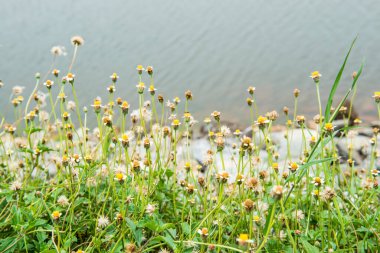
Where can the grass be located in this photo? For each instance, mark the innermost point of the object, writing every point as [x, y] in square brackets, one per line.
[132, 184]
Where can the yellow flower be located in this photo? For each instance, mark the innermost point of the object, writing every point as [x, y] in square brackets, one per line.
[376, 96]
[140, 87]
[120, 177]
[315, 75]
[293, 166]
[329, 127]
[256, 218]
[262, 121]
[56, 215]
[140, 68]
[203, 232]
[243, 239]
[176, 123]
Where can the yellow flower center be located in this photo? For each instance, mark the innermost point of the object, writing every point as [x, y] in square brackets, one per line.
[315, 74]
[119, 176]
[262, 120]
[56, 214]
[243, 237]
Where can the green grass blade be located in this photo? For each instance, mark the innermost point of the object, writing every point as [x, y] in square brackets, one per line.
[354, 83]
[336, 83]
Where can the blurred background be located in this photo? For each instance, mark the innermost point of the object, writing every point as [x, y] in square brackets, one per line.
[214, 48]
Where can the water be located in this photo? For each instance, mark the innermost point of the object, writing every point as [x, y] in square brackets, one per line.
[214, 48]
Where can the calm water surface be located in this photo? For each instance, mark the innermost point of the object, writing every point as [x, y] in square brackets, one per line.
[214, 48]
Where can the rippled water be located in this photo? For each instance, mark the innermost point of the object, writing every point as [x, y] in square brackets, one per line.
[214, 48]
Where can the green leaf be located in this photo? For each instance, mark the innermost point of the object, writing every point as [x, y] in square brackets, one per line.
[308, 247]
[32, 130]
[336, 83]
[185, 228]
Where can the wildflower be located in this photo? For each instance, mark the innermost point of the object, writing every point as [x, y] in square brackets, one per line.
[315, 193]
[246, 142]
[187, 116]
[298, 215]
[249, 101]
[327, 194]
[248, 204]
[277, 191]
[251, 90]
[223, 176]
[252, 183]
[216, 115]
[58, 50]
[140, 69]
[70, 77]
[225, 131]
[289, 123]
[243, 239]
[296, 93]
[56, 215]
[300, 120]
[55, 72]
[285, 110]
[48, 84]
[237, 132]
[273, 115]
[107, 121]
[114, 77]
[317, 181]
[149, 70]
[357, 122]
[239, 178]
[97, 105]
[375, 172]
[203, 232]
[293, 166]
[65, 116]
[130, 248]
[77, 40]
[62, 97]
[256, 218]
[17, 90]
[63, 201]
[315, 76]
[176, 100]
[111, 89]
[15, 186]
[120, 177]
[103, 221]
[136, 165]
[119, 217]
[80, 251]
[160, 98]
[190, 188]
[176, 123]
[275, 167]
[329, 127]
[140, 87]
[150, 209]
[188, 95]
[220, 142]
[262, 121]
[10, 129]
[376, 96]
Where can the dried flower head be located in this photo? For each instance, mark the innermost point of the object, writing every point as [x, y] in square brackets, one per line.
[77, 40]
